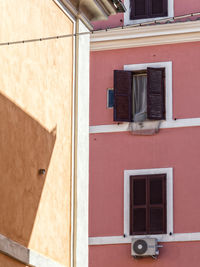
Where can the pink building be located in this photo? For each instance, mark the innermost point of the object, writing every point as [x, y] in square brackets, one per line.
[144, 147]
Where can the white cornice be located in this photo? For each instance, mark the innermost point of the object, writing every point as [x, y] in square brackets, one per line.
[146, 35]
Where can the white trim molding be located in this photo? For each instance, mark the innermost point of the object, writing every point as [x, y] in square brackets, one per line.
[81, 149]
[128, 21]
[124, 127]
[157, 34]
[168, 81]
[169, 194]
[113, 240]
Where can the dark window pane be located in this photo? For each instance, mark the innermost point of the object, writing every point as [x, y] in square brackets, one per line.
[156, 220]
[139, 192]
[157, 7]
[156, 191]
[140, 7]
[139, 220]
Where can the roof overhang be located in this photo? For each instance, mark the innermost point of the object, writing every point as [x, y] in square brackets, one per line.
[93, 10]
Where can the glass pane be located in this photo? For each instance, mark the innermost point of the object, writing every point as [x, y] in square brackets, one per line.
[156, 191]
[157, 6]
[156, 220]
[140, 8]
[139, 192]
[139, 220]
[140, 97]
[110, 98]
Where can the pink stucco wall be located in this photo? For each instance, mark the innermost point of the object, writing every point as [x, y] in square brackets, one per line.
[185, 7]
[185, 67]
[112, 153]
[181, 7]
[182, 254]
[112, 22]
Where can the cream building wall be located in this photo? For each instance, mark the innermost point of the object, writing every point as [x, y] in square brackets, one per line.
[36, 85]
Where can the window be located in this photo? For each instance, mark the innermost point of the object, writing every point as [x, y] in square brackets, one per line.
[148, 202]
[140, 9]
[139, 96]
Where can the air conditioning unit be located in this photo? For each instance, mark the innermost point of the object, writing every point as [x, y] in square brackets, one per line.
[144, 247]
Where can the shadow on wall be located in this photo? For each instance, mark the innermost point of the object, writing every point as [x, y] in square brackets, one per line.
[25, 147]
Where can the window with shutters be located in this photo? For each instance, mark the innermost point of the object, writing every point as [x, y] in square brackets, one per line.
[148, 202]
[143, 92]
[147, 10]
[139, 96]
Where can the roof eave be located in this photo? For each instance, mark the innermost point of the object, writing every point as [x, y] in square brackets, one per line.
[93, 10]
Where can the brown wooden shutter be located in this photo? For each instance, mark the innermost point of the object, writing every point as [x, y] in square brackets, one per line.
[138, 205]
[158, 8]
[139, 9]
[123, 95]
[156, 93]
[157, 204]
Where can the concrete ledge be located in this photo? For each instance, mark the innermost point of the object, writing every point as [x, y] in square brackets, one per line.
[124, 127]
[111, 240]
[25, 255]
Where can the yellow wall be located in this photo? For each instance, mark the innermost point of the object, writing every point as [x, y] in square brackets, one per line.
[35, 127]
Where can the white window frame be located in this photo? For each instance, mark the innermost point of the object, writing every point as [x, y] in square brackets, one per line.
[168, 81]
[169, 194]
[128, 21]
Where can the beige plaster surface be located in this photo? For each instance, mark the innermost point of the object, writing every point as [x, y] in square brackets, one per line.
[35, 127]
[22, 19]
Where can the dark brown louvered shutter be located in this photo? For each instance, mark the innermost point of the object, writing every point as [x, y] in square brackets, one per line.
[156, 93]
[138, 205]
[138, 9]
[157, 204]
[123, 95]
[158, 8]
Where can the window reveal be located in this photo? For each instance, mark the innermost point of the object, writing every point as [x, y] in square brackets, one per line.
[138, 97]
[148, 204]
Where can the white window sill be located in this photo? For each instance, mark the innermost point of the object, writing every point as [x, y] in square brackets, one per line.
[128, 22]
[180, 237]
